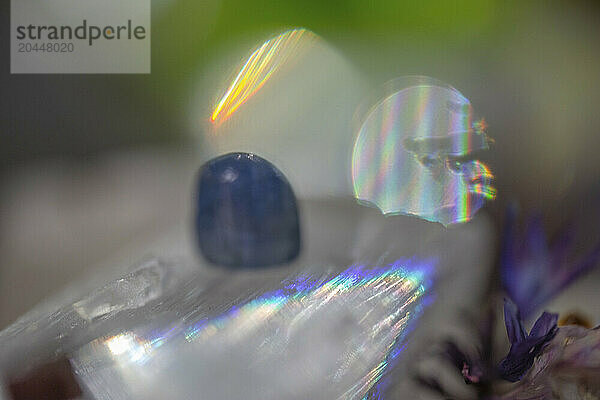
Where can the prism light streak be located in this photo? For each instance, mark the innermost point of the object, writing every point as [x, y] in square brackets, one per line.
[478, 189]
[380, 305]
[304, 297]
[412, 155]
[483, 177]
[262, 64]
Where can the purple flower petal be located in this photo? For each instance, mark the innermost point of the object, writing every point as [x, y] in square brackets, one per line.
[570, 359]
[524, 348]
[544, 325]
[532, 271]
[512, 319]
[519, 359]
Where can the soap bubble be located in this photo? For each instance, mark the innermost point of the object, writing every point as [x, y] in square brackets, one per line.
[415, 154]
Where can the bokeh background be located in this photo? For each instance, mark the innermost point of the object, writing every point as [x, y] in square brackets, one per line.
[92, 166]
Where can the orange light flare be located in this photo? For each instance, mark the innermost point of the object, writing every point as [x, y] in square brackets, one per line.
[262, 64]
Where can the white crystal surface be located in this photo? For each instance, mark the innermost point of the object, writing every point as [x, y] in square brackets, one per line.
[130, 291]
[173, 333]
[319, 337]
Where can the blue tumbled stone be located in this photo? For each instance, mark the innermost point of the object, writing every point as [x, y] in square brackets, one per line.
[246, 213]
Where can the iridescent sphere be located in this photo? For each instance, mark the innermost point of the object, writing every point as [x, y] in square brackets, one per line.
[414, 154]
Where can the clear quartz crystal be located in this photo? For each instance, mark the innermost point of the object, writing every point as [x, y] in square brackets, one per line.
[342, 321]
[319, 336]
[131, 291]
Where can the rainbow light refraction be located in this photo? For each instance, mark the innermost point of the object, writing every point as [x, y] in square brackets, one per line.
[262, 64]
[413, 155]
[334, 333]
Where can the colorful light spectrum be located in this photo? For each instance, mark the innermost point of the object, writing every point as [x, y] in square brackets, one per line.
[318, 336]
[413, 154]
[262, 64]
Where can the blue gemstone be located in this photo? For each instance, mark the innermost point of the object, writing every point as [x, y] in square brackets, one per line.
[247, 214]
